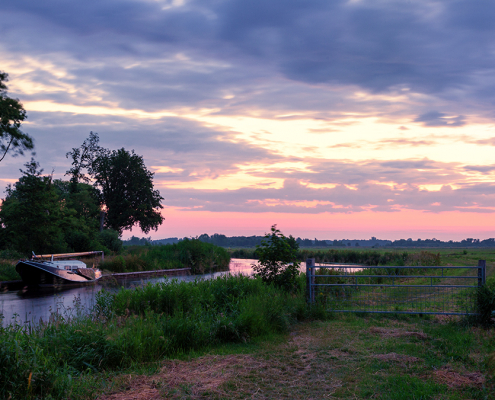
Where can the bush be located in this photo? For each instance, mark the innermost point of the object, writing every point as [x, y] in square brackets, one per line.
[485, 302]
[277, 255]
[110, 239]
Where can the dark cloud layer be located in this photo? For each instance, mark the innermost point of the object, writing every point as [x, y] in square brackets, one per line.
[439, 48]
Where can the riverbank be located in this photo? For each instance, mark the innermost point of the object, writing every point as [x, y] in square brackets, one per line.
[132, 327]
[252, 340]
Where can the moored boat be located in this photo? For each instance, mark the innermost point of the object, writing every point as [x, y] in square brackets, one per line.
[52, 272]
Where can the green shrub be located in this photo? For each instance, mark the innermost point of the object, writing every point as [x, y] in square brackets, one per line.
[201, 257]
[485, 302]
[7, 271]
[110, 239]
[277, 260]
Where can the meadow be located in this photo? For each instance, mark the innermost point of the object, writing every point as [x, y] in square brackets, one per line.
[236, 337]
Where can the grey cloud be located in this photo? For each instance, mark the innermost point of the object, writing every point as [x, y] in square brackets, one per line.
[375, 197]
[489, 142]
[174, 142]
[434, 48]
[435, 118]
[484, 169]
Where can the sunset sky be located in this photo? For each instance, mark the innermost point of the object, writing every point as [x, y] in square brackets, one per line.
[333, 119]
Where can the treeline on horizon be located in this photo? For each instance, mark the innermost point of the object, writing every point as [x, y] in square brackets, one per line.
[253, 241]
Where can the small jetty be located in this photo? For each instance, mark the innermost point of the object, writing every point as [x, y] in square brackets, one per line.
[18, 285]
[148, 274]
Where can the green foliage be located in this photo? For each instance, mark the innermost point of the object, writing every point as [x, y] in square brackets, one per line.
[110, 239]
[372, 257]
[31, 215]
[7, 271]
[141, 326]
[12, 114]
[485, 301]
[127, 191]
[44, 215]
[124, 184]
[189, 253]
[277, 257]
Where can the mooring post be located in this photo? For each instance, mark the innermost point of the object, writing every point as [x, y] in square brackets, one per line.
[310, 264]
[481, 272]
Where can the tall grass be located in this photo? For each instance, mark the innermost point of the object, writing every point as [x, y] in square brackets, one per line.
[141, 325]
[7, 271]
[365, 257]
[372, 257]
[201, 257]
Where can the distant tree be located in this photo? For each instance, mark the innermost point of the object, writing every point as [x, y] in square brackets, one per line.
[277, 260]
[30, 216]
[126, 189]
[12, 114]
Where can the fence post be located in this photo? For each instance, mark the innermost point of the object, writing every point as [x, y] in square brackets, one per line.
[310, 263]
[481, 272]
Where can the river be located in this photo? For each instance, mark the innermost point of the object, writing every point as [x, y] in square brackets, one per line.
[27, 307]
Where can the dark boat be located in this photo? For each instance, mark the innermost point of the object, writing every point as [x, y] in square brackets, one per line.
[45, 273]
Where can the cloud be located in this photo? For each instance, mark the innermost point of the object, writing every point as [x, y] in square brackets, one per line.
[435, 118]
[153, 52]
[294, 197]
[487, 142]
[335, 62]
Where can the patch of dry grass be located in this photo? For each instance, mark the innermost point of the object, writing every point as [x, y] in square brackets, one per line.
[345, 358]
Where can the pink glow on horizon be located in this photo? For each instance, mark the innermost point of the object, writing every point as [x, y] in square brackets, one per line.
[405, 224]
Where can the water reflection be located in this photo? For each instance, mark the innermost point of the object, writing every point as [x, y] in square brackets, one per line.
[28, 306]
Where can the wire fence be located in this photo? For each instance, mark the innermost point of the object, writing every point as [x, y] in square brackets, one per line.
[395, 289]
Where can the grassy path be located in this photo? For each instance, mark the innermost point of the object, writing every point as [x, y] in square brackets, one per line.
[348, 357]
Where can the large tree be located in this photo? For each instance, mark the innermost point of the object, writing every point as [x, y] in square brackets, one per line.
[124, 183]
[127, 191]
[12, 114]
[30, 216]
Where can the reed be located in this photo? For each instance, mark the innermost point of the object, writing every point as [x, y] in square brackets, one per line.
[199, 256]
[141, 326]
[7, 271]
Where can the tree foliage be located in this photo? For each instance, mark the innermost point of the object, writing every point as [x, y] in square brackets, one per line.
[12, 114]
[124, 184]
[277, 260]
[83, 158]
[31, 215]
[43, 215]
[126, 188]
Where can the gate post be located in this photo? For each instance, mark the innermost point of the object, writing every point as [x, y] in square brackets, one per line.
[481, 272]
[310, 264]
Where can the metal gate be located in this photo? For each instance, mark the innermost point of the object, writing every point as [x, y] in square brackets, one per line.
[395, 289]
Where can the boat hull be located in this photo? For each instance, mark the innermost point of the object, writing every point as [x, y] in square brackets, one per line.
[44, 275]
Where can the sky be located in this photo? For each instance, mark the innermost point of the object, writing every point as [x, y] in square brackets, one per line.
[332, 119]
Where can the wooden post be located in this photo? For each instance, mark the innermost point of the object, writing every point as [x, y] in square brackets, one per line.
[310, 264]
[481, 272]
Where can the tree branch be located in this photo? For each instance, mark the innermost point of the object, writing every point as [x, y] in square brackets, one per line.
[4, 154]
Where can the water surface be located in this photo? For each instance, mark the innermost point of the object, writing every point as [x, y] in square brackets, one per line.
[29, 306]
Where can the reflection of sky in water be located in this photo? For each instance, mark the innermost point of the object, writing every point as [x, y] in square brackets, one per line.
[29, 306]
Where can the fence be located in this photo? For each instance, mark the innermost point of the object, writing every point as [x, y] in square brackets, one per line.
[395, 289]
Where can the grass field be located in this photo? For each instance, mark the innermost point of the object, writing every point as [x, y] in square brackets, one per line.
[346, 357]
[236, 338]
